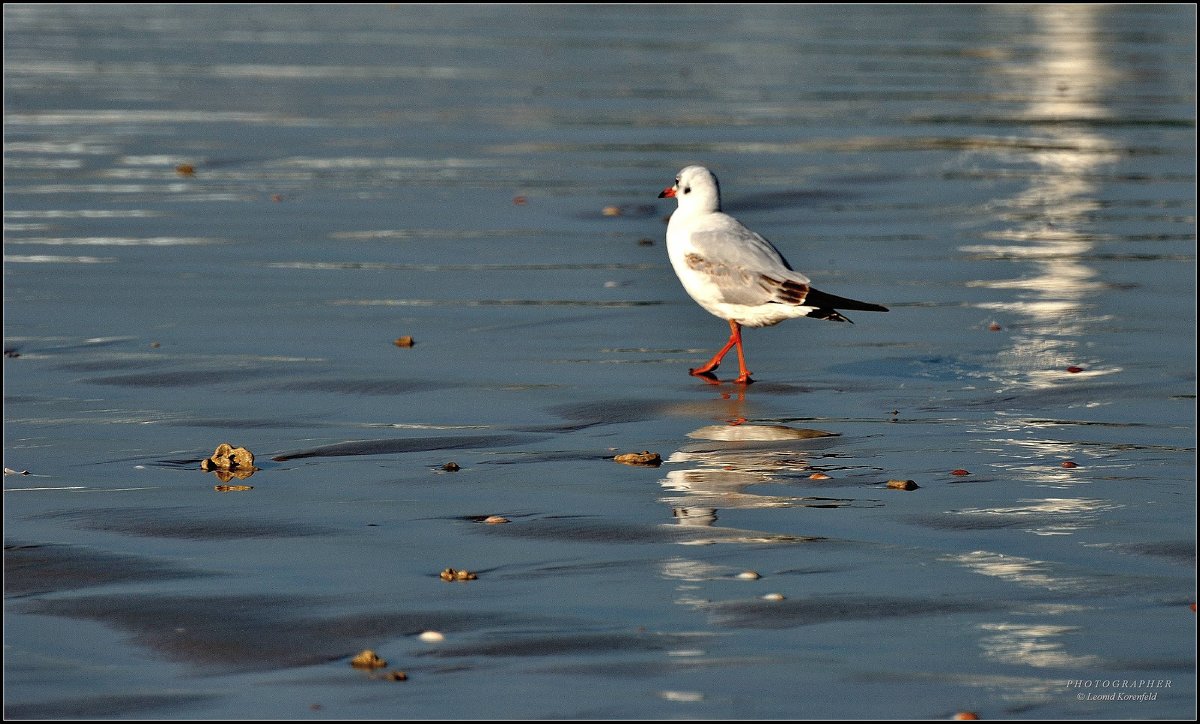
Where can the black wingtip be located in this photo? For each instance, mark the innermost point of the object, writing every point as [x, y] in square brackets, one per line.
[830, 302]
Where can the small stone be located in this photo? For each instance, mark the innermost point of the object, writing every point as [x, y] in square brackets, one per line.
[1069, 464]
[185, 169]
[611, 211]
[495, 519]
[749, 575]
[452, 575]
[367, 659]
[645, 457]
[994, 327]
[902, 484]
[960, 471]
[773, 597]
[818, 476]
[966, 716]
[237, 461]
[405, 341]
[451, 467]
[1074, 369]
[431, 637]
[395, 676]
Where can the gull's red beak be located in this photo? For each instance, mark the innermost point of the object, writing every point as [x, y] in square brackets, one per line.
[667, 193]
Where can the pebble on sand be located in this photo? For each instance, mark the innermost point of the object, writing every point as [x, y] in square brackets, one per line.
[902, 484]
[405, 341]
[495, 519]
[452, 575]
[960, 471]
[431, 637]
[1069, 464]
[749, 575]
[966, 716]
[645, 457]
[229, 462]
[367, 659]
[818, 476]
[451, 467]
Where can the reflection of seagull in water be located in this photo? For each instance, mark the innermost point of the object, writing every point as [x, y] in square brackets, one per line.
[723, 467]
[734, 273]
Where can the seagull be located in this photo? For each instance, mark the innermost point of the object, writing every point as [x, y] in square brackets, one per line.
[734, 273]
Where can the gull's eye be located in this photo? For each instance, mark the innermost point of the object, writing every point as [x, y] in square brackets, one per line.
[687, 189]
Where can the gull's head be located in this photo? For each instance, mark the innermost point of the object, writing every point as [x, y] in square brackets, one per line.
[696, 189]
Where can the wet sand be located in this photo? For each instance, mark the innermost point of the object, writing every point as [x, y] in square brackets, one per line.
[218, 223]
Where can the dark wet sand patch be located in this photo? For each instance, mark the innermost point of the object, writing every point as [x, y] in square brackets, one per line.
[557, 456]
[178, 378]
[786, 199]
[112, 706]
[592, 530]
[375, 387]
[258, 631]
[1181, 551]
[583, 415]
[588, 530]
[564, 644]
[31, 568]
[610, 412]
[405, 445]
[789, 613]
[180, 523]
[251, 423]
[644, 669]
[981, 521]
[111, 365]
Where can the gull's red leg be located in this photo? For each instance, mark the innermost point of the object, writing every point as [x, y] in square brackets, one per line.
[735, 337]
[744, 377]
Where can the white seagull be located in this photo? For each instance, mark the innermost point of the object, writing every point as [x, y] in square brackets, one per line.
[734, 273]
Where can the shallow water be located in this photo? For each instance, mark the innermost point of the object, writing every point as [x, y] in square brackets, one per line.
[1016, 184]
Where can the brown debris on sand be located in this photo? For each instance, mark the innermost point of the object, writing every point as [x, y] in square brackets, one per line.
[452, 575]
[229, 463]
[367, 659]
[645, 457]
